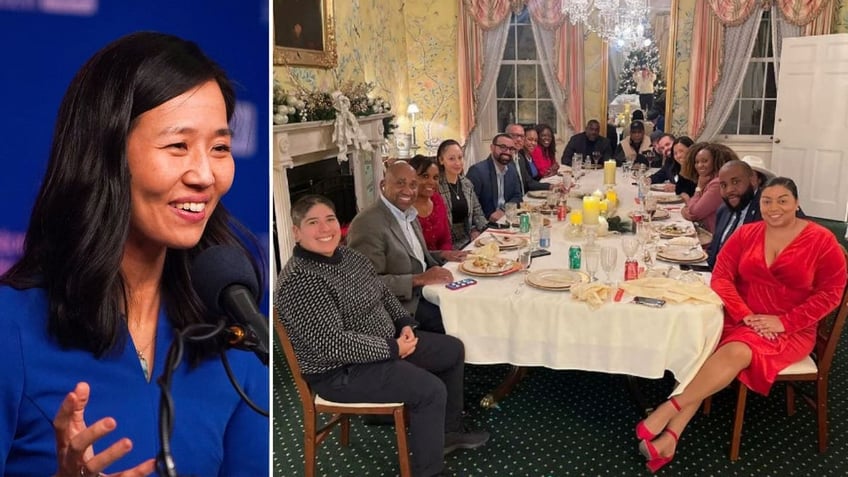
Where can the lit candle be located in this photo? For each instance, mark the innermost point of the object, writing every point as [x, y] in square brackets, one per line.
[612, 197]
[591, 210]
[577, 217]
[609, 172]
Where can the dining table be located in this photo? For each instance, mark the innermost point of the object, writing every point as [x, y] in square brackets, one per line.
[503, 320]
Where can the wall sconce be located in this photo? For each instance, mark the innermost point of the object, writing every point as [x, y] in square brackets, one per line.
[412, 110]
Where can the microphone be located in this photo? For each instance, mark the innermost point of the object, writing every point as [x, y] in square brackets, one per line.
[227, 284]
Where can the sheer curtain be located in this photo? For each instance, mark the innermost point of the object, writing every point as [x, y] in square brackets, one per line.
[492, 45]
[546, 48]
[738, 44]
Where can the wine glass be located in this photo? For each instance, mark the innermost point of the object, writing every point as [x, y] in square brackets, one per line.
[592, 258]
[650, 206]
[525, 258]
[609, 257]
[511, 213]
[596, 158]
[630, 245]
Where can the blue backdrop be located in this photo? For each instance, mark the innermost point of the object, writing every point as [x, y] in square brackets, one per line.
[44, 42]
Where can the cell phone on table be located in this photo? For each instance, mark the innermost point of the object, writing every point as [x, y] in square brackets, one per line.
[694, 268]
[539, 253]
[465, 282]
[654, 302]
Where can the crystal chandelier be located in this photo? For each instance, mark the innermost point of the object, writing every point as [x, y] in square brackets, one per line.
[619, 22]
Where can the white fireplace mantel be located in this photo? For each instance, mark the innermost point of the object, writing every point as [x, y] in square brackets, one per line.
[297, 144]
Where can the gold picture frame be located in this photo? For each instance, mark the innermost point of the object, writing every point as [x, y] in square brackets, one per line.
[297, 39]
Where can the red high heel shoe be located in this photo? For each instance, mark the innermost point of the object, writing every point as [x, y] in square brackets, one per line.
[655, 460]
[645, 434]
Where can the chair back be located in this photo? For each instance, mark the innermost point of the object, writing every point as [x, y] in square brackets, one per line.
[307, 397]
[829, 330]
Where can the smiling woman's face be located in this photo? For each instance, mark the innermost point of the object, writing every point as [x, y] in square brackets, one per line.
[181, 165]
[319, 231]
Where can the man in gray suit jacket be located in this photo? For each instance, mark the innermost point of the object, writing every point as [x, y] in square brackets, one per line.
[388, 234]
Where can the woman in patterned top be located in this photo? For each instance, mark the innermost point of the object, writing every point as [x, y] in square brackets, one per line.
[355, 342]
[465, 215]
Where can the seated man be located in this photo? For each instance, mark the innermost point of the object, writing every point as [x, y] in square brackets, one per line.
[388, 233]
[523, 162]
[631, 148]
[495, 179]
[586, 143]
[740, 187]
[354, 341]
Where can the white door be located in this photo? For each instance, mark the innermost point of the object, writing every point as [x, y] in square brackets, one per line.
[811, 123]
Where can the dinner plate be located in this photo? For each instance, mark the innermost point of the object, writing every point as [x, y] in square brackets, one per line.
[539, 194]
[505, 242]
[658, 187]
[555, 279]
[669, 199]
[509, 266]
[675, 230]
[679, 255]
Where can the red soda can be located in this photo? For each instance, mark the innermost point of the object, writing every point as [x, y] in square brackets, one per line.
[631, 270]
[561, 213]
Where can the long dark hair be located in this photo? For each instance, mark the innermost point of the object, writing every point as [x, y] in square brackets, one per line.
[549, 151]
[81, 218]
[441, 150]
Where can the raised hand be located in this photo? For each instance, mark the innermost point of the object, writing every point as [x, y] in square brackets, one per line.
[75, 440]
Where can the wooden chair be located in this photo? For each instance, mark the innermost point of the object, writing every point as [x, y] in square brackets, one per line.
[814, 368]
[341, 412]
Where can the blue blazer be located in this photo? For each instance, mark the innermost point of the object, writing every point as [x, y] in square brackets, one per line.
[485, 180]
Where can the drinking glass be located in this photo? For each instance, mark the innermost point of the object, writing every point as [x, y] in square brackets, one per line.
[630, 245]
[650, 206]
[525, 258]
[535, 229]
[592, 258]
[643, 233]
[577, 166]
[596, 158]
[567, 182]
[609, 257]
[511, 213]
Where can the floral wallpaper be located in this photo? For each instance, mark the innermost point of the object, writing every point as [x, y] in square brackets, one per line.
[840, 22]
[679, 123]
[594, 80]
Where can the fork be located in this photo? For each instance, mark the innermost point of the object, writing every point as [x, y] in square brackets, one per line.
[691, 249]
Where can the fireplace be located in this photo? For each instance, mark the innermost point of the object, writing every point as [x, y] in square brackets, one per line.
[306, 161]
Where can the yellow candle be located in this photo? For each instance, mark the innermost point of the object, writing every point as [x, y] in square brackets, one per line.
[577, 217]
[591, 210]
[609, 172]
[612, 197]
[604, 206]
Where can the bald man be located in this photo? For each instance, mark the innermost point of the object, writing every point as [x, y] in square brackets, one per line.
[586, 143]
[388, 233]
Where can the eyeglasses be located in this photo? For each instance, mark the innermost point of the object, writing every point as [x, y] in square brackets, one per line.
[503, 147]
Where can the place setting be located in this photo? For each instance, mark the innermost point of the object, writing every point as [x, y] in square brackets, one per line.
[502, 241]
[485, 262]
[682, 250]
[555, 279]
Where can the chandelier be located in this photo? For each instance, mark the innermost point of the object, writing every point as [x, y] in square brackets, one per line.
[619, 22]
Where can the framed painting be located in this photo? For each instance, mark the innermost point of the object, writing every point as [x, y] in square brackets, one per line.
[304, 33]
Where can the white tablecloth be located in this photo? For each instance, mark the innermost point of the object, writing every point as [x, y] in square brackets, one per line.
[548, 328]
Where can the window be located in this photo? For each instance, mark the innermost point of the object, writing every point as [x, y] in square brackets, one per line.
[753, 113]
[522, 95]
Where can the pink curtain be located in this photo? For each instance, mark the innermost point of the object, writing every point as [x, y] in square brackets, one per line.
[546, 13]
[731, 12]
[469, 74]
[802, 12]
[705, 72]
[570, 71]
[490, 13]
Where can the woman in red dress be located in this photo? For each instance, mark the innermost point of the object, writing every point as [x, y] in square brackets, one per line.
[777, 279]
[544, 155]
[432, 213]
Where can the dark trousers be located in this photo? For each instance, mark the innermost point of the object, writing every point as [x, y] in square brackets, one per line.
[429, 317]
[646, 102]
[428, 382]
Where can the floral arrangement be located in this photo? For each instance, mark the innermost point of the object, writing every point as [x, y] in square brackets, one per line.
[303, 105]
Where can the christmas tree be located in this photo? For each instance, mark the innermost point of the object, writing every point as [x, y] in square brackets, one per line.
[638, 58]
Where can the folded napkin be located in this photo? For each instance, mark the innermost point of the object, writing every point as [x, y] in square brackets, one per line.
[595, 294]
[671, 290]
[684, 241]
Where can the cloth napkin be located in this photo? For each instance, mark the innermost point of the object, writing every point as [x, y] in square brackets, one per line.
[594, 294]
[671, 290]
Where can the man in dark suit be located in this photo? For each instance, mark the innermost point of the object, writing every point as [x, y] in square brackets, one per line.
[522, 161]
[586, 143]
[495, 179]
[740, 190]
[388, 234]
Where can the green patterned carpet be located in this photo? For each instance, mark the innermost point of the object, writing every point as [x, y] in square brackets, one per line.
[564, 423]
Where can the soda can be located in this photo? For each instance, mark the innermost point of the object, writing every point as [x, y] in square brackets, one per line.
[574, 257]
[561, 213]
[631, 270]
[524, 223]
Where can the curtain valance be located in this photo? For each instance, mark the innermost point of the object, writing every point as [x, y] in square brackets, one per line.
[796, 12]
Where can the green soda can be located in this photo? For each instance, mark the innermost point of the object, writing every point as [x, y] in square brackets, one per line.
[574, 255]
[524, 223]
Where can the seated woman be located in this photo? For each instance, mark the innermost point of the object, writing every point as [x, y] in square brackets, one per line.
[531, 142]
[464, 212]
[355, 342]
[675, 182]
[702, 165]
[544, 155]
[432, 213]
[777, 279]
